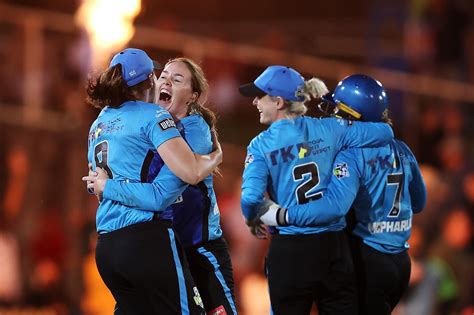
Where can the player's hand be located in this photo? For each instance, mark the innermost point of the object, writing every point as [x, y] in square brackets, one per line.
[271, 214]
[91, 173]
[96, 181]
[258, 229]
[216, 146]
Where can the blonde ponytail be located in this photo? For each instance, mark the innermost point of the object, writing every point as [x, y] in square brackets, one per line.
[314, 88]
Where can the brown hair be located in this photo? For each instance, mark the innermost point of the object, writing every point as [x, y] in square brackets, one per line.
[200, 86]
[110, 89]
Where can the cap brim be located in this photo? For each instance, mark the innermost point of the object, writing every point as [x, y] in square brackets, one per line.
[157, 65]
[251, 90]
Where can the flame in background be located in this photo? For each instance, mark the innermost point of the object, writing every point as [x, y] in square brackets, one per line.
[109, 24]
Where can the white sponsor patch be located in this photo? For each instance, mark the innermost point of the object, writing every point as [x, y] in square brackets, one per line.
[167, 124]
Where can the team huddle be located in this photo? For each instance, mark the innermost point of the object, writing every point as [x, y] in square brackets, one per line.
[337, 193]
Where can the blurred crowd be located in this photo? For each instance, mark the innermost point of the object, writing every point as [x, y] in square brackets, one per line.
[47, 219]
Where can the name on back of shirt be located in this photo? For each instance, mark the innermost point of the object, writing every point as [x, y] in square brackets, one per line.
[389, 226]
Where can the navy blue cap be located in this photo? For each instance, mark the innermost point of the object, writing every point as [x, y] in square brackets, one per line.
[276, 81]
[136, 65]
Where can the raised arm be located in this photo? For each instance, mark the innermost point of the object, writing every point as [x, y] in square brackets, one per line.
[175, 152]
[190, 167]
[166, 187]
[365, 134]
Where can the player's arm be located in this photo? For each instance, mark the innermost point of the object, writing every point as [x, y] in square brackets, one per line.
[166, 187]
[254, 183]
[156, 196]
[364, 134]
[336, 201]
[175, 152]
[417, 188]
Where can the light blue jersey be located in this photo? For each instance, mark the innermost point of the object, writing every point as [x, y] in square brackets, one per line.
[122, 140]
[292, 161]
[193, 208]
[384, 187]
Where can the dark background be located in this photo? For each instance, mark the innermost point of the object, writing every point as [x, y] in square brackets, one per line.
[421, 50]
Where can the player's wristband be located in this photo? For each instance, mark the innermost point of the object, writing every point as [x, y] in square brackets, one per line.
[281, 217]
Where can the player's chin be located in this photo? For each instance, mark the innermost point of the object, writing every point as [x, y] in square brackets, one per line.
[264, 121]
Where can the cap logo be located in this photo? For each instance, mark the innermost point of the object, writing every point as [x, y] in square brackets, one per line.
[299, 92]
[132, 73]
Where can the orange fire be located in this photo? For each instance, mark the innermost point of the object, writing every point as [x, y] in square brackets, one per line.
[109, 24]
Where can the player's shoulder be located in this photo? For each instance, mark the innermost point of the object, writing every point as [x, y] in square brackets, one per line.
[259, 140]
[194, 125]
[195, 121]
[149, 107]
[403, 151]
[326, 122]
[149, 112]
[402, 147]
[94, 124]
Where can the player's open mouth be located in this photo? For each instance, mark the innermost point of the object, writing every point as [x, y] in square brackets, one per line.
[165, 96]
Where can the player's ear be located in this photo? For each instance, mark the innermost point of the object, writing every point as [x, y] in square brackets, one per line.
[280, 102]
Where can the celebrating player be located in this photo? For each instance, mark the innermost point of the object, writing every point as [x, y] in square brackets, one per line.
[137, 254]
[182, 89]
[292, 162]
[384, 187]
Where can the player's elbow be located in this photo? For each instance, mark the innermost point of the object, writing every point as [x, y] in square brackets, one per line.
[191, 176]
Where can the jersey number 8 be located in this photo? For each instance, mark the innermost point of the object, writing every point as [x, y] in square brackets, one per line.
[101, 151]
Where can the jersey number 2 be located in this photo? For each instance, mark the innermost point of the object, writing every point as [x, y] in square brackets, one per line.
[101, 152]
[395, 179]
[302, 191]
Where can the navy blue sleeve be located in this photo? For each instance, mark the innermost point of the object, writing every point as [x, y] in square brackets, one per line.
[254, 181]
[337, 199]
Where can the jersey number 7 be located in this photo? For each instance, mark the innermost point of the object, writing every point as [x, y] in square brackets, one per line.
[395, 179]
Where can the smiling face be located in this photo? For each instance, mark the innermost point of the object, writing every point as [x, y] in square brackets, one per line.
[174, 90]
[268, 109]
